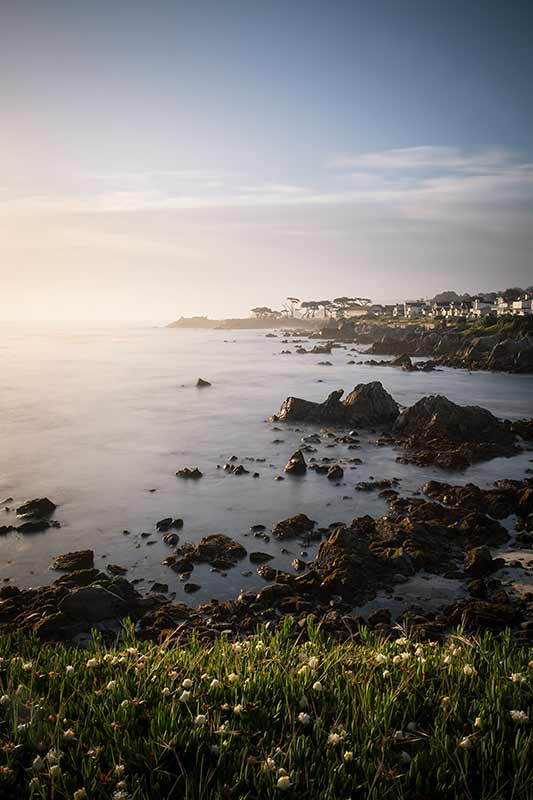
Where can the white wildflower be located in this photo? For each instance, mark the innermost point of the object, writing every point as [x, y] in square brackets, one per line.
[347, 756]
[304, 718]
[284, 783]
[187, 683]
[317, 686]
[519, 716]
[468, 669]
[69, 669]
[200, 719]
[185, 697]
[214, 683]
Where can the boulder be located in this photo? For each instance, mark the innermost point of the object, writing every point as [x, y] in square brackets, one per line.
[478, 562]
[296, 464]
[201, 384]
[293, 527]
[335, 473]
[350, 568]
[92, 604]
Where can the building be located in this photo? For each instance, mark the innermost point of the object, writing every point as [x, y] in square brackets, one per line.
[481, 307]
[522, 306]
[413, 309]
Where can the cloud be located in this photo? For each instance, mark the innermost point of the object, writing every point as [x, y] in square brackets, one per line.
[488, 189]
[424, 158]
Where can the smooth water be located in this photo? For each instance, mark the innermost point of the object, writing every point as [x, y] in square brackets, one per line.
[94, 419]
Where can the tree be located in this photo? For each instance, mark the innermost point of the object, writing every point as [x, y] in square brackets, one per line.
[311, 307]
[293, 302]
[263, 311]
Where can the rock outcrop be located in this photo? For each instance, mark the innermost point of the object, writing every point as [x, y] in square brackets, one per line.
[441, 432]
[367, 405]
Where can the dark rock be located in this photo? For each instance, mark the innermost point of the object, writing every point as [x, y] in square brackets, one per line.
[479, 615]
[189, 472]
[38, 508]
[115, 569]
[335, 473]
[92, 604]
[451, 436]
[80, 577]
[257, 557]
[218, 550]
[296, 464]
[200, 383]
[78, 559]
[380, 616]
[293, 527]
[35, 526]
[191, 587]
[478, 562]
[159, 588]
[368, 404]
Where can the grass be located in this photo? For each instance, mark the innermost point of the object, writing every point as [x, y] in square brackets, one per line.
[288, 714]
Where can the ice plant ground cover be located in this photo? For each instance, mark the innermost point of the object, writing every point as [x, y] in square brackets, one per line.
[283, 714]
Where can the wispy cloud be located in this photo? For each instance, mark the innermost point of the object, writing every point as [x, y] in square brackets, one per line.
[424, 158]
[416, 183]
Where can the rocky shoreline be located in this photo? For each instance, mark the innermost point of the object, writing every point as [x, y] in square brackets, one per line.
[451, 531]
[505, 346]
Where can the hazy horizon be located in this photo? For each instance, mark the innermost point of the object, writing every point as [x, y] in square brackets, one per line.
[172, 159]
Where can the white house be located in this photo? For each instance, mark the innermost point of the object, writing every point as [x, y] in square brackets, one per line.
[522, 306]
[414, 309]
[482, 308]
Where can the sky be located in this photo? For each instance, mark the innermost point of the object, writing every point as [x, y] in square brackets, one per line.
[175, 158]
